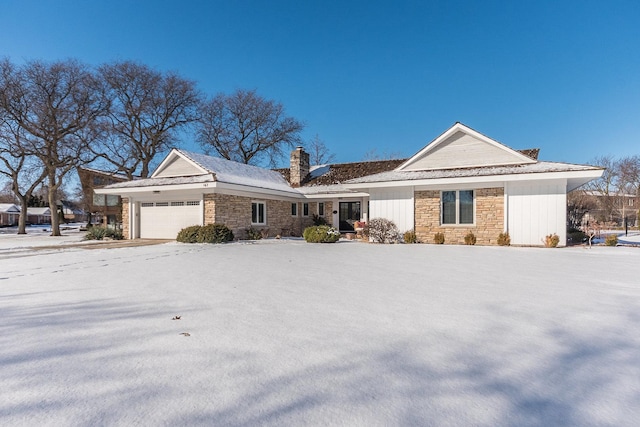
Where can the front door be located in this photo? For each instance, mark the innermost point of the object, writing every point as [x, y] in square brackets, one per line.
[349, 213]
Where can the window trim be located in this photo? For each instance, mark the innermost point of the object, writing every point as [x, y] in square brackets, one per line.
[294, 209]
[305, 209]
[457, 222]
[264, 212]
[320, 208]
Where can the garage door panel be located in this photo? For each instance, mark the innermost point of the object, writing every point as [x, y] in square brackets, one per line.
[163, 220]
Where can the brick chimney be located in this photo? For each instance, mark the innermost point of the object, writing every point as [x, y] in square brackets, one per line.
[299, 167]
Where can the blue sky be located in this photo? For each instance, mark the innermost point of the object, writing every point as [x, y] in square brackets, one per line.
[563, 76]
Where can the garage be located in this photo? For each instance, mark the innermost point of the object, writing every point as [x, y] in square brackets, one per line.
[163, 220]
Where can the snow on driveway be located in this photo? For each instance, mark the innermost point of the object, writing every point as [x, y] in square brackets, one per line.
[289, 333]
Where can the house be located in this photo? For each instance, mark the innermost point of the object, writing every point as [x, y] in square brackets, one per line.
[9, 214]
[105, 209]
[39, 215]
[460, 182]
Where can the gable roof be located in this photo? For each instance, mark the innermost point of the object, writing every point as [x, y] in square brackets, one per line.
[185, 167]
[9, 208]
[462, 147]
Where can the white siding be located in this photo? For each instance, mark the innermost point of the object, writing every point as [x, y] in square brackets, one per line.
[462, 150]
[396, 204]
[535, 210]
[178, 167]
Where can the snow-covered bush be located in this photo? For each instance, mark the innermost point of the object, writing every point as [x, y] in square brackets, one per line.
[381, 230]
[504, 239]
[470, 239]
[321, 234]
[438, 238]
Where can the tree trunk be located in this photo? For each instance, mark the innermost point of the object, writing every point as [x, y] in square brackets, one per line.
[55, 220]
[22, 219]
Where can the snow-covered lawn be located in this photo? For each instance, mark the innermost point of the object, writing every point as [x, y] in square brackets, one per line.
[289, 333]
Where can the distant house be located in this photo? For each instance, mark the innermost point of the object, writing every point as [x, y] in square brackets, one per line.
[9, 214]
[461, 182]
[105, 209]
[39, 215]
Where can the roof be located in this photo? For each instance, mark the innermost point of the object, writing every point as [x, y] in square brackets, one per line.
[530, 168]
[38, 211]
[215, 169]
[9, 208]
[328, 179]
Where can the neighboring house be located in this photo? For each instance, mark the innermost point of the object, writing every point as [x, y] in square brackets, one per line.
[39, 215]
[9, 214]
[105, 209]
[461, 182]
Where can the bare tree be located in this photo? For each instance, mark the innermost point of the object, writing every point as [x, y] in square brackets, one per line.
[25, 173]
[148, 109]
[57, 106]
[319, 153]
[606, 187]
[247, 128]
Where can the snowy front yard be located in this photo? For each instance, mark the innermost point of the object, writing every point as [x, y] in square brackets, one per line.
[289, 333]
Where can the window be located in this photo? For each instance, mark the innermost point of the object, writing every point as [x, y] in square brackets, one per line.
[305, 209]
[457, 207]
[321, 209]
[257, 213]
[113, 200]
[294, 209]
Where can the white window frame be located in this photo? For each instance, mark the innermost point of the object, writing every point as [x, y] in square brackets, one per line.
[264, 212]
[457, 223]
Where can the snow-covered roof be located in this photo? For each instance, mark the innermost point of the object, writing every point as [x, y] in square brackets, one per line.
[539, 167]
[216, 169]
[39, 211]
[9, 208]
[239, 173]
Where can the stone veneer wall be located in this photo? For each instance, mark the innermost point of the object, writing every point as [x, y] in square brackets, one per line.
[125, 218]
[235, 213]
[489, 217]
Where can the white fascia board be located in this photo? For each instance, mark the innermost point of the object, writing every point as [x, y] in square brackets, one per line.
[327, 196]
[124, 191]
[243, 190]
[437, 182]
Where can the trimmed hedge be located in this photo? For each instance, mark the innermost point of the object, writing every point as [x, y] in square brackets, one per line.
[212, 233]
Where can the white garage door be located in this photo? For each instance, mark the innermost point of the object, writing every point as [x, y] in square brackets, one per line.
[163, 220]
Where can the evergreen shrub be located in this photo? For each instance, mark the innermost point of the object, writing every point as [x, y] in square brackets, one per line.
[321, 234]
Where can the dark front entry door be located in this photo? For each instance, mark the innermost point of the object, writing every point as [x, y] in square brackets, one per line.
[349, 213]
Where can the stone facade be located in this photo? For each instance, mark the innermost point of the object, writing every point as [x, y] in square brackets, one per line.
[235, 213]
[489, 218]
[125, 218]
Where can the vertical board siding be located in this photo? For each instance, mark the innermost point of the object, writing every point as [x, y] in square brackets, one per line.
[394, 204]
[537, 210]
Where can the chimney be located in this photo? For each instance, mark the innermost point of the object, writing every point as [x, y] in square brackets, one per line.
[299, 167]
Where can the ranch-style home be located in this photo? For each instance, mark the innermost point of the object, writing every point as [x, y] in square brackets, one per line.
[460, 182]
